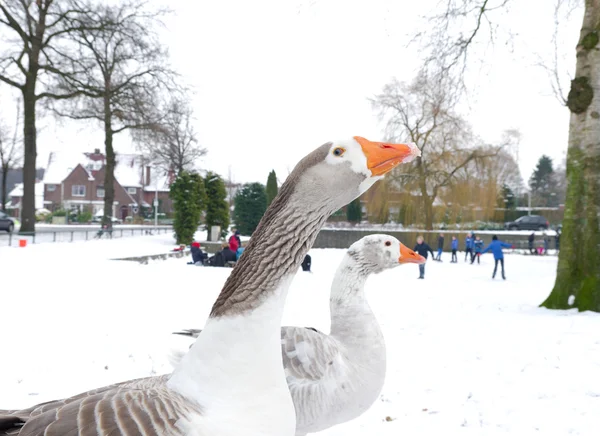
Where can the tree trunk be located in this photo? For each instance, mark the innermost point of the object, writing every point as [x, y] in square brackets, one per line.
[29, 156]
[109, 174]
[4, 190]
[578, 276]
[428, 206]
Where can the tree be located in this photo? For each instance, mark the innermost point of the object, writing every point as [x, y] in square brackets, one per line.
[10, 155]
[543, 182]
[172, 141]
[217, 209]
[271, 187]
[189, 197]
[506, 199]
[354, 211]
[578, 274]
[31, 55]
[423, 112]
[116, 73]
[250, 206]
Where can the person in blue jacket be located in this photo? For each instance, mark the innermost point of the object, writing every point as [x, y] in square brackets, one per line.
[454, 246]
[469, 246]
[496, 248]
[477, 247]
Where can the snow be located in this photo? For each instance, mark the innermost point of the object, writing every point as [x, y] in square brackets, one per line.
[60, 165]
[128, 170]
[467, 355]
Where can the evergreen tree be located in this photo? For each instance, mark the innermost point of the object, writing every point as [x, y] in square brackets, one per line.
[507, 198]
[250, 206]
[543, 183]
[271, 187]
[354, 211]
[188, 194]
[217, 208]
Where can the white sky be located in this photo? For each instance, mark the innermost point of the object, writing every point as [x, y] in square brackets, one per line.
[273, 79]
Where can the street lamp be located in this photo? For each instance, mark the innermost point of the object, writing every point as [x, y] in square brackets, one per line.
[156, 200]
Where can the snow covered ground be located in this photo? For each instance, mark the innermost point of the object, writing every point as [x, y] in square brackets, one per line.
[467, 355]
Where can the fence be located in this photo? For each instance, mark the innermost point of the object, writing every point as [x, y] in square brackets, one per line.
[79, 234]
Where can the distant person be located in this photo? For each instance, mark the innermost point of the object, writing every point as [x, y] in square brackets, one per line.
[477, 249]
[306, 263]
[440, 247]
[454, 246]
[234, 242]
[198, 256]
[531, 240]
[222, 257]
[496, 248]
[469, 246]
[423, 249]
[557, 239]
[238, 253]
[546, 243]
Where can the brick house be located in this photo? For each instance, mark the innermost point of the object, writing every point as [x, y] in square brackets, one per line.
[15, 203]
[76, 181]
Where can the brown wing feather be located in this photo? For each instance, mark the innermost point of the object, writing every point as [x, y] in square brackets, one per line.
[137, 407]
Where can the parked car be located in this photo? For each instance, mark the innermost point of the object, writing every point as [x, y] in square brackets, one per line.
[7, 223]
[528, 222]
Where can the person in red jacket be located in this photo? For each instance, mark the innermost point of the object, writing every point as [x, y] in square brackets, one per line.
[234, 242]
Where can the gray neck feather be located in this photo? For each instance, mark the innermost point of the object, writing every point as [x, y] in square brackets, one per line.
[283, 237]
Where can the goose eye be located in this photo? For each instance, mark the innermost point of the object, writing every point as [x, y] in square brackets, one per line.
[338, 151]
[388, 243]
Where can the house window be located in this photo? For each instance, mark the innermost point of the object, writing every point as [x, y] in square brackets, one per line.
[78, 190]
[100, 192]
[51, 188]
[131, 190]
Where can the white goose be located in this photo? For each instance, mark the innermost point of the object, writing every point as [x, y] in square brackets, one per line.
[232, 382]
[335, 378]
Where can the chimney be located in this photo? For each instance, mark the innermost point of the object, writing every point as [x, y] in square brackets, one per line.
[148, 178]
[96, 151]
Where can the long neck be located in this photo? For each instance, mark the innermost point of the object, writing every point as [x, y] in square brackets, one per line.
[276, 250]
[351, 316]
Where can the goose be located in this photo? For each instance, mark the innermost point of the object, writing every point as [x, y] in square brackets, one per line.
[232, 381]
[335, 378]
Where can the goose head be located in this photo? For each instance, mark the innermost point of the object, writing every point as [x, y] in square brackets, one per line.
[376, 253]
[339, 171]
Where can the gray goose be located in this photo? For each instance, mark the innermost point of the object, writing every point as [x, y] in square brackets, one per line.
[232, 381]
[335, 378]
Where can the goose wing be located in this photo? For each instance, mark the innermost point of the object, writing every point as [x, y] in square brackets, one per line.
[310, 357]
[141, 407]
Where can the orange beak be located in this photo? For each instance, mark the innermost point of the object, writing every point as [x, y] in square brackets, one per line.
[382, 157]
[409, 256]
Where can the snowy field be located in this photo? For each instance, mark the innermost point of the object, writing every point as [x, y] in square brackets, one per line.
[466, 355]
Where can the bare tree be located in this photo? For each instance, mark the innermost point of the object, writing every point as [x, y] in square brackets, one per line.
[578, 275]
[423, 112]
[119, 68]
[453, 31]
[172, 143]
[33, 32]
[10, 154]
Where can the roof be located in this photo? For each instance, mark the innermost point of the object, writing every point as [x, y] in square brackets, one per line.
[159, 178]
[60, 165]
[129, 169]
[39, 194]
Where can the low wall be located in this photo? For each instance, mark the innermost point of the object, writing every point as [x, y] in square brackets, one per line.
[145, 259]
[330, 238]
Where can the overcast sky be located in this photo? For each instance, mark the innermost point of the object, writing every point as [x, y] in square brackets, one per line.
[273, 79]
